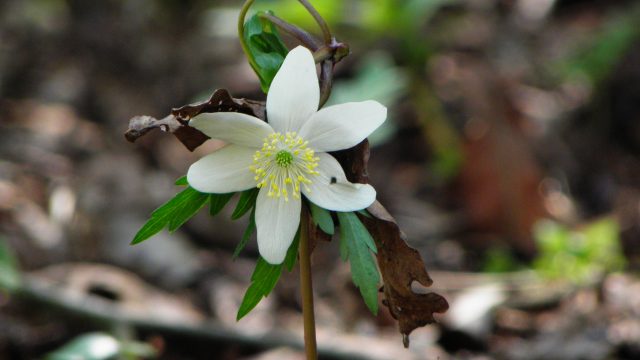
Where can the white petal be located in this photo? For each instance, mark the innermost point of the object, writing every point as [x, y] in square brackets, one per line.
[236, 128]
[343, 126]
[332, 191]
[225, 170]
[294, 93]
[277, 221]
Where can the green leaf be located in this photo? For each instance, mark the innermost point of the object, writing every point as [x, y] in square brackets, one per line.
[251, 228]
[358, 230]
[266, 49]
[246, 202]
[357, 243]
[172, 214]
[182, 181]
[264, 279]
[9, 274]
[322, 218]
[217, 202]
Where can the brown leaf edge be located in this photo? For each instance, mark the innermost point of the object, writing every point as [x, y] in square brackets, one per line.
[400, 264]
[177, 122]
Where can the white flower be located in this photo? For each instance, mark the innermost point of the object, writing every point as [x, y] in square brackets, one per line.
[287, 156]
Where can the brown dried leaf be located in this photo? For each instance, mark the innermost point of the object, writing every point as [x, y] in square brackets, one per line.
[220, 101]
[400, 264]
[177, 122]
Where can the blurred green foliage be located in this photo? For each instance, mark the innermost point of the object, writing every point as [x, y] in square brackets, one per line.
[9, 274]
[376, 16]
[499, 260]
[578, 255]
[598, 56]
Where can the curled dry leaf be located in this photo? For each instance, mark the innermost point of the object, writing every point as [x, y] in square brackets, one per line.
[400, 264]
[177, 121]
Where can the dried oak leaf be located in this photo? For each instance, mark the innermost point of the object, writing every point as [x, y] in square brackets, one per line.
[400, 264]
[177, 121]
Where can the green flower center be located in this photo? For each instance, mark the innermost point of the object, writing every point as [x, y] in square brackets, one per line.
[284, 158]
[284, 164]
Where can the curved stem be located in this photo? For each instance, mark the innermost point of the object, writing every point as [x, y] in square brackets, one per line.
[306, 289]
[326, 33]
[304, 37]
[243, 43]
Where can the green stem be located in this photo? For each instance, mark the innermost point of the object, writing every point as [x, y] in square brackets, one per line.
[243, 43]
[306, 289]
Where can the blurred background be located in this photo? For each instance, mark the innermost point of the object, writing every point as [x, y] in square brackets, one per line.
[511, 159]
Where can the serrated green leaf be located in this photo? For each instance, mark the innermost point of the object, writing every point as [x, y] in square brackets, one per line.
[264, 279]
[357, 245]
[245, 203]
[182, 181]
[358, 230]
[217, 202]
[9, 274]
[322, 218]
[172, 214]
[251, 228]
[265, 47]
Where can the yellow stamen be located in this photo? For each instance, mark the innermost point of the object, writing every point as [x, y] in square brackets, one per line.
[283, 163]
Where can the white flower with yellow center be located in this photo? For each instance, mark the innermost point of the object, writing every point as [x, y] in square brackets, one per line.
[287, 156]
